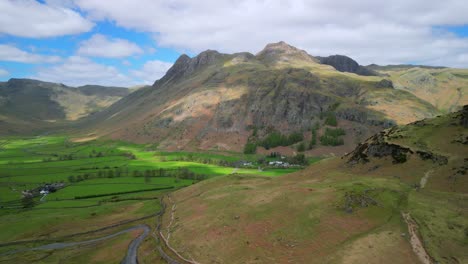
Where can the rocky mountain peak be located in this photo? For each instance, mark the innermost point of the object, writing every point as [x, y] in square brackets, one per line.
[185, 66]
[281, 51]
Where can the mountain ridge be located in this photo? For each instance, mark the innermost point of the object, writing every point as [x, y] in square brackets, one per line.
[213, 100]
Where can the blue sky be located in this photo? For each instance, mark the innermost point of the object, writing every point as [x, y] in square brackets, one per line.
[66, 46]
[126, 43]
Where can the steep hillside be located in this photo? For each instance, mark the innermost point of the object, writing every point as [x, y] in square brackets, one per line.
[27, 105]
[218, 101]
[400, 197]
[444, 88]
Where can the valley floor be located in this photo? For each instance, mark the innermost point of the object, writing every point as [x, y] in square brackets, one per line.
[74, 201]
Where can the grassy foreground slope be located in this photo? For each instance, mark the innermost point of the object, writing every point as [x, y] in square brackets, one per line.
[345, 210]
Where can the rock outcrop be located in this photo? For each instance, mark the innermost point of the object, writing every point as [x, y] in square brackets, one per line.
[378, 147]
[346, 64]
[464, 116]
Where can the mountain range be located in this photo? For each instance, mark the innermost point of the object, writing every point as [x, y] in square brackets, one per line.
[217, 101]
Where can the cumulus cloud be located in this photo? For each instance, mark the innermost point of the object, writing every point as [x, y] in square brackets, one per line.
[11, 53]
[3, 72]
[101, 46]
[78, 70]
[398, 31]
[151, 71]
[29, 18]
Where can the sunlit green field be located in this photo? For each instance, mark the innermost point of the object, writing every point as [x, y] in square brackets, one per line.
[109, 166]
[103, 183]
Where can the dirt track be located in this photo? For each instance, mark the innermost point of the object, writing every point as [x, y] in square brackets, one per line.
[416, 243]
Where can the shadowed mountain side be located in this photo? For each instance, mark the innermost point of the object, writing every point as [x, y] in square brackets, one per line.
[28, 106]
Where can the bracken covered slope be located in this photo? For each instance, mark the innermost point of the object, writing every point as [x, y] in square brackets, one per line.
[348, 210]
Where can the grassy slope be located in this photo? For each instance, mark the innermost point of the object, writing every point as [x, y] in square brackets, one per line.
[300, 217]
[444, 88]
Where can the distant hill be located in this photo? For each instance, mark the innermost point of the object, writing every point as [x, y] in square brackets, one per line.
[399, 197]
[444, 88]
[27, 105]
[219, 101]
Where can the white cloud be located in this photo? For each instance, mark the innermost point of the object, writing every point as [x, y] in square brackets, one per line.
[29, 18]
[3, 72]
[398, 31]
[77, 71]
[151, 71]
[11, 53]
[101, 46]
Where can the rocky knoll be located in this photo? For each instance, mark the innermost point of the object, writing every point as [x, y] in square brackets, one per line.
[398, 143]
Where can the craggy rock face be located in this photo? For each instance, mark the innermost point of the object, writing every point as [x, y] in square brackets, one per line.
[377, 147]
[464, 117]
[397, 143]
[346, 64]
[384, 84]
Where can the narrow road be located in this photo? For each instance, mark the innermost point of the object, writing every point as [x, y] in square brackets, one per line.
[132, 252]
[130, 258]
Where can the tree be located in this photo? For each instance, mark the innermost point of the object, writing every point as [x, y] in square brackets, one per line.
[295, 137]
[71, 178]
[313, 140]
[27, 201]
[301, 147]
[250, 148]
[147, 179]
[331, 119]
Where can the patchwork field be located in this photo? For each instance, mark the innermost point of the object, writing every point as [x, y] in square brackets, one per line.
[96, 188]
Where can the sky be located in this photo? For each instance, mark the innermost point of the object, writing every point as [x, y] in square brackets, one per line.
[134, 42]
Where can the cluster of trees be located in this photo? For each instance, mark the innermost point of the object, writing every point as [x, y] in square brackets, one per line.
[65, 157]
[119, 193]
[250, 148]
[194, 158]
[275, 139]
[106, 173]
[330, 119]
[313, 140]
[298, 159]
[330, 116]
[179, 173]
[332, 137]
